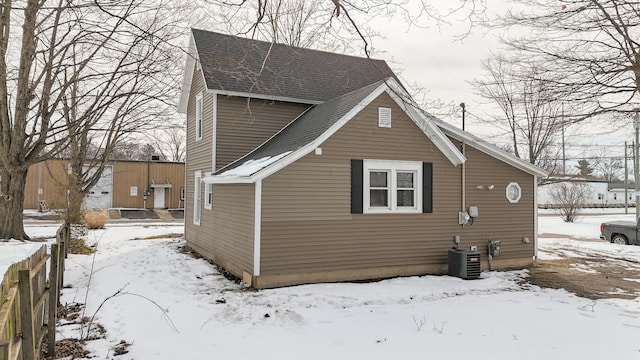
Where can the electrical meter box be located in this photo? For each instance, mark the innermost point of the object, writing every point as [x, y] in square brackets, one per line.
[494, 248]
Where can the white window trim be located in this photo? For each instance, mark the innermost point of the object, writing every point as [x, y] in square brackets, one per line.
[197, 211]
[208, 196]
[199, 113]
[392, 167]
[515, 184]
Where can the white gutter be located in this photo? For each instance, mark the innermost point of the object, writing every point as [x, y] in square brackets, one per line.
[263, 96]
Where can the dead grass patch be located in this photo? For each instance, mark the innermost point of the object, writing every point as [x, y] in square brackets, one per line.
[95, 219]
[164, 236]
[608, 280]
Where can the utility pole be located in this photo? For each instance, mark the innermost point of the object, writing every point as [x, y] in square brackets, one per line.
[626, 180]
[636, 124]
[463, 111]
[564, 157]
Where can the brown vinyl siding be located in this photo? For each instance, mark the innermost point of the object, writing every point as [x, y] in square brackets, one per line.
[125, 175]
[225, 235]
[142, 175]
[498, 219]
[307, 225]
[198, 153]
[54, 184]
[243, 125]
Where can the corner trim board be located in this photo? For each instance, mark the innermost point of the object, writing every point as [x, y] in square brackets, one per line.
[214, 127]
[257, 221]
[535, 218]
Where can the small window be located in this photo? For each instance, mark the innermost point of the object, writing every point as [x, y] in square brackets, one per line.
[196, 198]
[208, 196]
[384, 117]
[182, 193]
[392, 186]
[514, 192]
[198, 116]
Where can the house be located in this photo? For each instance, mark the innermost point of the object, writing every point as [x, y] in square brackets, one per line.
[597, 193]
[307, 166]
[617, 191]
[123, 184]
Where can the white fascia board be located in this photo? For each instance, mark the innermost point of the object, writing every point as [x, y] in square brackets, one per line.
[212, 179]
[187, 79]
[491, 150]
[432, 132]
[263, 97]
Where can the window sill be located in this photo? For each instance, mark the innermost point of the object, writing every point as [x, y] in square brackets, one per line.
[389, 211]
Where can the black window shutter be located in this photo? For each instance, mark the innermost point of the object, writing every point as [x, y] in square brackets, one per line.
[427, 187]
[356, 186]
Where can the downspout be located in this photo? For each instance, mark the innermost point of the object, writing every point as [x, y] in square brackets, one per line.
[147, 190]
[464, 169]
[535, 219]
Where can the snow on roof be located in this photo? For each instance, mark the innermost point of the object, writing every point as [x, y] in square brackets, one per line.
[248, 168]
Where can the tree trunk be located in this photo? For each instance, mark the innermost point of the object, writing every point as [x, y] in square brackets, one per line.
[74, 201]
[12, 185]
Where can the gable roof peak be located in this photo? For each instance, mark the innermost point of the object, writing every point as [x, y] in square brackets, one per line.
[238, 65]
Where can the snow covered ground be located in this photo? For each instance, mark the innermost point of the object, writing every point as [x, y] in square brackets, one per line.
[173, 306]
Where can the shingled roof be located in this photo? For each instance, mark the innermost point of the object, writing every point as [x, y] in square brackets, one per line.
[306, 128]
[239, 65]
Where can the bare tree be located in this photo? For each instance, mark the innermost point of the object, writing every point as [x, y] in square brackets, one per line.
[608, 168]
[333, 25]
[591, 46]
[530, 112]
[87, 73]
[570, 198]
[170, 142]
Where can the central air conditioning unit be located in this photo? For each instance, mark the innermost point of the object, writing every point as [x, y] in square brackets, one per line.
[464, 263]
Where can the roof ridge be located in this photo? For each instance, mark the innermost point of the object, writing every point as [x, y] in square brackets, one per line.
[287, 45]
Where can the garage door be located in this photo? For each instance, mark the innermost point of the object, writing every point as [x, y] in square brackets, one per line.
[101, 195]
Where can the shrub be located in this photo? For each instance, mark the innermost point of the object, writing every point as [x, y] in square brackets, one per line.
[571, 198]
[95, 219]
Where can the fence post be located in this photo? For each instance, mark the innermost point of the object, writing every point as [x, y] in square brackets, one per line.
[4, 350]
[26, 315]
[63, 236]
[54, 296]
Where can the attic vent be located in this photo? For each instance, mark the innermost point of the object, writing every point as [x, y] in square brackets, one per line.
[384, 117]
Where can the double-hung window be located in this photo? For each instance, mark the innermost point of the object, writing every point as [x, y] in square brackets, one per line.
[208, 196]
[197, 212]
[199, 116]
[392, 186]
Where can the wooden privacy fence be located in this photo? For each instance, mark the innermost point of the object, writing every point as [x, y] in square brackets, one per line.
[28, 302]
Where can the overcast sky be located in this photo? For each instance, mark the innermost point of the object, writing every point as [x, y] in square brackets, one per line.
[434, 58]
